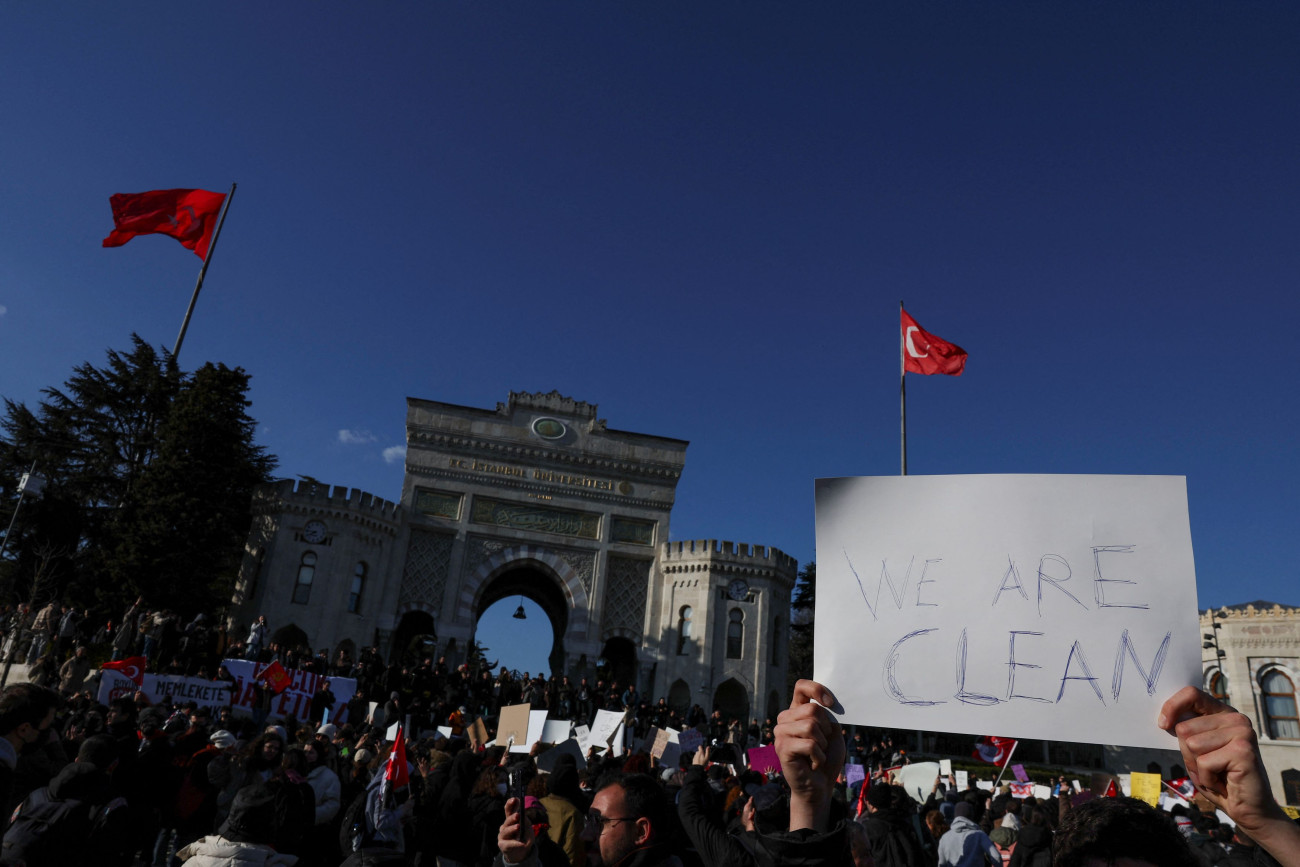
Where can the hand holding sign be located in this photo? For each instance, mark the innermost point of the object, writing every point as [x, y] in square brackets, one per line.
[810, 747]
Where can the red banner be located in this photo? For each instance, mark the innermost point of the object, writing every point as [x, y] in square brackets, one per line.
[189, 216]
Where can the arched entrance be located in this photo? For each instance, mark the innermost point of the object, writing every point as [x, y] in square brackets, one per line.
[414, 639]
[732, 699]
[619, 655]
[538, 585]
[679, 696]
[290, 636]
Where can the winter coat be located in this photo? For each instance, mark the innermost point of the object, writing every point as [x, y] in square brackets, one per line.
[217, 851]
[1033, 847]
[965, 845]
[325, 783]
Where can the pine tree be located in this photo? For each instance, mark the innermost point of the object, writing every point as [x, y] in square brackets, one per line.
[802, 607]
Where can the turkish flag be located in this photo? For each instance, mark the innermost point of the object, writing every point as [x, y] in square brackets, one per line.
[397, 774]
[926, 354]
[189, 216]
[995, 751]
[275, 677]
[132, 667]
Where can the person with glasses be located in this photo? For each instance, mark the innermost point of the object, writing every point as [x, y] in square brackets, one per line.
[629, 823]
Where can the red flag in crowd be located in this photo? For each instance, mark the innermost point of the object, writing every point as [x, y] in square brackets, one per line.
[995, 751]
[189, 216]
[1182, 787]
[926, 354]
[132, 667]
[1112, 791]
[275, 677]
[397, 775]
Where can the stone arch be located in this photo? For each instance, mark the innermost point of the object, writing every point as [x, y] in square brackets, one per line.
[732, 699]
[526, 556]
[679, 696]
[290, 635]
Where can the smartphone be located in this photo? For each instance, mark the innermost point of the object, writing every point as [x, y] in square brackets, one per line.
[515, 789]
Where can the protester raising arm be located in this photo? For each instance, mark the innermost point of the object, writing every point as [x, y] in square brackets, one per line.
[1222, 757]
[810, 745]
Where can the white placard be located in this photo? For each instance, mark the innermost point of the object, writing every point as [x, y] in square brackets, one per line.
[1042, 793]
[986, 785]
[918, 779]
[582, 735]
[1053, 607]
[555, 731]
[445, 731]
[945, 768]
[604, 727]
[1126, 785]
[963, 780]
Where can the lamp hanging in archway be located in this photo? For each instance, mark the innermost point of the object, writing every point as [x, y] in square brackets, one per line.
[519, 612]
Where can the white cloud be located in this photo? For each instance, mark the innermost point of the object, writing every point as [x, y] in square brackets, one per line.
[3, 310]
[356, 437]
[393, 454]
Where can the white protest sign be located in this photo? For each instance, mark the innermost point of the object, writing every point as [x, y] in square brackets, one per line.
[555, 731]
[296, 699]
[1053, 607]
[536, 724]
[918, 779]
[945, 767]
[157, 688]
[604, 727]
[1042, 793]
[963, 780]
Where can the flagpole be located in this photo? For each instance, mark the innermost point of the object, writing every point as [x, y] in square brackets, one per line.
[212, 248]
[902, 385]
[1007, 762]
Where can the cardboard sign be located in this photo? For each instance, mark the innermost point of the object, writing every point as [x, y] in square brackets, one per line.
[513, 723]
[1052, 607]
[536, 725]
[477, 733]
[764, 760]
[671, 754]
[1019, 771]
[1145, 787]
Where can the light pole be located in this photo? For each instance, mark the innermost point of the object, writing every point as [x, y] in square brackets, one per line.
[33, 483]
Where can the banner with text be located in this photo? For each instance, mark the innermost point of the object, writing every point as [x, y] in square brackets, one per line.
[157, 688]
[1053, 607]
[295, 701]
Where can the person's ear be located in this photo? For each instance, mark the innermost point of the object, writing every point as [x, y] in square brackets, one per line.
[643, 831]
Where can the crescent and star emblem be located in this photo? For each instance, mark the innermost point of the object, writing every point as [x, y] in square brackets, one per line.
[911, 347]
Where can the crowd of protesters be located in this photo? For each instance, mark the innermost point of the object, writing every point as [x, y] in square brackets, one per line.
[130, 783]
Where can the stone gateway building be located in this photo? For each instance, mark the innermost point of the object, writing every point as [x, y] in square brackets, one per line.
[537, 498]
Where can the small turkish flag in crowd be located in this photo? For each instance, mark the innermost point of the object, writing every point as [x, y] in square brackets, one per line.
[995, 751]
[132, 667]
[189, 216]
[397, 774]
[275, 677]
[926, 354]
[1182, 787]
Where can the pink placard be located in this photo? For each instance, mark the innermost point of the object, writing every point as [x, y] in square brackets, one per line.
[764, 760]
[1019, 771]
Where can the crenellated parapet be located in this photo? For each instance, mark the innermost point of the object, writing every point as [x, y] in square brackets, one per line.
[312, 499]
[731, 558]
[1252, 611]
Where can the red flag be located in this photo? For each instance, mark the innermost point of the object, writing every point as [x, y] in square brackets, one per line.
[397, 774]
[1182, 787]
[132, 667]
[189, 216]
[995, 751]
[1111, 790]
[926, 354]
[275, 677]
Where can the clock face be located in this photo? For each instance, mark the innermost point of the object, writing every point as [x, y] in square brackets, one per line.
[738, 589]
[314, 532]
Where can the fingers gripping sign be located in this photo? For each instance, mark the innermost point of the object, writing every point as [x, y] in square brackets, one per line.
[1221, 753]
[810, 746]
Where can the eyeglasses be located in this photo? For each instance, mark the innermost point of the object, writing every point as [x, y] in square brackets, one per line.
[597, 821]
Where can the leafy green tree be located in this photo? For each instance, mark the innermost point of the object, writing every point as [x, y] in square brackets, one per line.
[143, 464]
[802, 608]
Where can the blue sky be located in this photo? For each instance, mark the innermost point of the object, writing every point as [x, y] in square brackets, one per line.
[701, 217]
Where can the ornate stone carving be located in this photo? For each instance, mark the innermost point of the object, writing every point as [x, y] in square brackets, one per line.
[478, 550]
[625, 594]
[428, 560]
[583, 563]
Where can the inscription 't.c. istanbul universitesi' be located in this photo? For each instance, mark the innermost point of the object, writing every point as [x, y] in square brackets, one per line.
[537, 475]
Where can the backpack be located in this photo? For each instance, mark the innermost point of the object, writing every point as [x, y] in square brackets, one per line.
[46, 831]
[354, 833]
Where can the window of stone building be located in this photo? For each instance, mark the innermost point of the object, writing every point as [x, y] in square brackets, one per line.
[776, 641]
[1280, 706]
[735, 634]
[306, 574]
[358, 584]
[1218, 685]
[683, 630]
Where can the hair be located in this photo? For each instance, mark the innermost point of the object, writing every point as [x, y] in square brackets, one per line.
[253, 752]
[1107, 829]
[644, 799]
[26, 703]
[937, 824]
[98, 750]
[486, 784]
